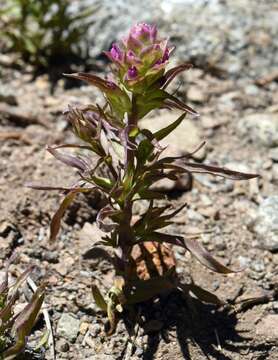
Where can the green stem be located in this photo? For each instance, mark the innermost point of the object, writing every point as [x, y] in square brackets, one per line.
[125, 229]
[132, 120]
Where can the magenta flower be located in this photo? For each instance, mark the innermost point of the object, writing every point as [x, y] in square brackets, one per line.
[131, 73]
[115, 54]
[144, 32]
[141, 57]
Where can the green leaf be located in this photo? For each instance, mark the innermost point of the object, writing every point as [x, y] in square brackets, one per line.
[43, 340]
[148, 101]
[161, 134]
[117, 97]
[104, 183]
[30, 46]
[112, 317]
[99, 299]
[56, 220]
[144, 150]
[24, 323]
[148, 195]
[6, 312]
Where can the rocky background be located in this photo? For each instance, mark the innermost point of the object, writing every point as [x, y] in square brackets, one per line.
[234, 86]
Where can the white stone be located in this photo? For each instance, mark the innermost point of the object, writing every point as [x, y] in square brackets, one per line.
[68, 327]
[261, 128]
[266, 224]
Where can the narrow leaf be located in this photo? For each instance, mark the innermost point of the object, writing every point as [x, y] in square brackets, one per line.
[102, 182]
[150, 100]
[144, 150]
[174, 103]
[205, 258]
[77, 146]
[172, 73]
[215, 170]
[20, 280]
[92, 79]
[194, 247]
[162, 238]
[24, 323]
[161, 134]
[4, 285]
[115, 95]
[99, 299]
[112, 317]
[56, 220]
[148, 195]
[68, 159]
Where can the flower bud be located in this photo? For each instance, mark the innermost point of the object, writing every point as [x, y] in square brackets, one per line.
[84, 123]
[140, 58]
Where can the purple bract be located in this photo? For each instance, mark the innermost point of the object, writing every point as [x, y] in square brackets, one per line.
[141, 57]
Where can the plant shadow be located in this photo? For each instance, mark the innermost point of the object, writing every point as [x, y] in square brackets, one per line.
[209, 329]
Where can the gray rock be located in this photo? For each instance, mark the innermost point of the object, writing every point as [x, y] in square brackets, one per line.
[101, 357]
[257, 265]
[225, 38]
[275, 173]
[194, 215]
[251, 89]
[68, 327]
[262, 128]
[62, 345]
[273, 153]
[89, 235]
[267, 328]
[183, 183]
[266, 224]
[243, 261]
[185, 138]
[7, 96]
[196, 94]
[95, 330]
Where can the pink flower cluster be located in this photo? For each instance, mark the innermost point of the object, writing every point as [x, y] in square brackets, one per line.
[140, 56]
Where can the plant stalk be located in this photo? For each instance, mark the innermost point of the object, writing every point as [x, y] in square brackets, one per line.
[125, 228]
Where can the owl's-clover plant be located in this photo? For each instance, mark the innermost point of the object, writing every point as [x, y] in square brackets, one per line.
[132, 157]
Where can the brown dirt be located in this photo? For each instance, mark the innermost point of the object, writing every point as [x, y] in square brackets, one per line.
[176, 327]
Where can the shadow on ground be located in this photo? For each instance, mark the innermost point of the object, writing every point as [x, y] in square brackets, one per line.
[209, 330]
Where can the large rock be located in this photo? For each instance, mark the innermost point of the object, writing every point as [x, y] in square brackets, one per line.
[266, 224]
[236, 37]
[262, 128]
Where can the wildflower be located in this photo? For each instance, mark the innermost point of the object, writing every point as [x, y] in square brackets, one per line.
[140, 58]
